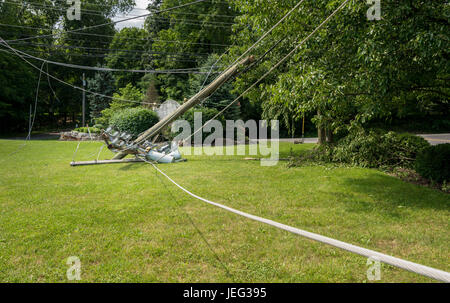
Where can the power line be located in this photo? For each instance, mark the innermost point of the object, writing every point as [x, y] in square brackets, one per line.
[420, 269]
[106, 69]
[100, 13]
[144, 9]
[111, 49]
[268, 32]
[111, 36]
[89, 55]
[66, 83]
[174, 198]
[110, 23]
[273, 67]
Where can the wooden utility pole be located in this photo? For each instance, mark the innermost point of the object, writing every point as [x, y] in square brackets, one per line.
[199, 97]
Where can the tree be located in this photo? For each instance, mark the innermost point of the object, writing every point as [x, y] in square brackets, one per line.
[32, 22]
[353, 70]
[183, 39]
[104, 83]
[126, 50]
[222, 97]
[148, 84]
[123, 99]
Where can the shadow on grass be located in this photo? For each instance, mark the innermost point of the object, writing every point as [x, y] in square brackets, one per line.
[132, 166]
[391, 194]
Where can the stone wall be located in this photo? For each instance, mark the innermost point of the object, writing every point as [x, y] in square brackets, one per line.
[77, 136]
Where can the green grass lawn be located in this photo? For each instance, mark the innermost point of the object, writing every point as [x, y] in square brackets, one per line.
[128, 224]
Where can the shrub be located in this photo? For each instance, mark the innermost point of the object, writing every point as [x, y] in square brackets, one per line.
[93, 130]
[133, 120]
[117, 104]
[376, 148]
[434, 163]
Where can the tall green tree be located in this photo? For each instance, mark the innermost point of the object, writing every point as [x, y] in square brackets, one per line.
[126, 51]
[32, 22]
[103, 82]
[222, 96]
[185, 38]
[353, 70]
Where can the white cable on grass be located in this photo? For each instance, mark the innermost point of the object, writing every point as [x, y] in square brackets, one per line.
[400, 263]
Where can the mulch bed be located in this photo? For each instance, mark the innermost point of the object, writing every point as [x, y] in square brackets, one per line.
[411, 176]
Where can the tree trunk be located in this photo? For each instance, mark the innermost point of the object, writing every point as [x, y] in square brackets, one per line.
[329, 135]
[321, 130]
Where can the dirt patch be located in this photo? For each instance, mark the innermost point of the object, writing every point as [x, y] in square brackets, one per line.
[411, 176]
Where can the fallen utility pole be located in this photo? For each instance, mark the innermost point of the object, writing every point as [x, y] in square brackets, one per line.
[99, 162]
[199, 97]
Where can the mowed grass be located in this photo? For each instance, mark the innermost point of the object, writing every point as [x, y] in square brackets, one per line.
[128, 224]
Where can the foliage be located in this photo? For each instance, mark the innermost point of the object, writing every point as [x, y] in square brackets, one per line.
[121, 100]
[101, 82]
[133, 120]
[87, 130]
[353, 70]
[375, 148]
[184, 40]
[222, 96]
[127, 48]
[434, 163]
[148, 84]
[127, 94]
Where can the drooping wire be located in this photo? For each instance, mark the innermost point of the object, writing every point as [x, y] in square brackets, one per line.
[110, 23]
[192, 223]
[107, 69]
[272, 68]
[35, 102]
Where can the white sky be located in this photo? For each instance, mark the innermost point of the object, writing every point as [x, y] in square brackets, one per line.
[135, 22]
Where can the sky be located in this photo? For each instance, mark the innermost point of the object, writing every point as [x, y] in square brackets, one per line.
[140, 4]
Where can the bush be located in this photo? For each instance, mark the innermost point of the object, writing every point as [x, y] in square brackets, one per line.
[93, 130]
[376, 148]
[117, 104]
[133, 120]
[434, 163]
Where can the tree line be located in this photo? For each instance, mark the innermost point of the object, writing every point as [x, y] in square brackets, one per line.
[354, 72]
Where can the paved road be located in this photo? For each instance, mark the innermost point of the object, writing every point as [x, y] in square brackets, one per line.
[43, 136]
[437, 139]
[434, 139]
